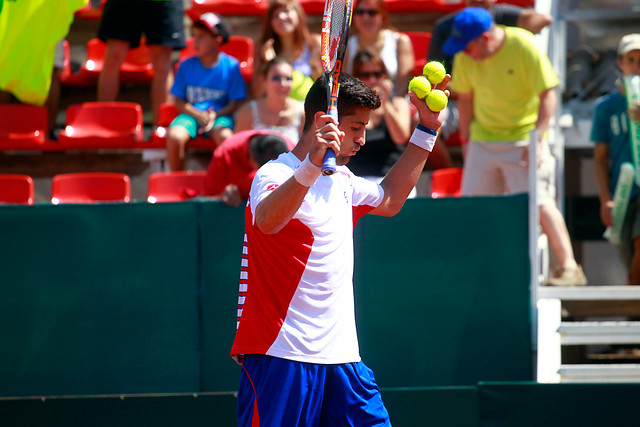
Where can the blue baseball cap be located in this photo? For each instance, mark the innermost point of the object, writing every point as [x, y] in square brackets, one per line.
[468, 25]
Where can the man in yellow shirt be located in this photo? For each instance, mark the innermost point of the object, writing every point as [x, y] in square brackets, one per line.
[506, 89]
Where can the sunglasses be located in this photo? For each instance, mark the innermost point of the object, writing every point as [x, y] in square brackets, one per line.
[281, 78]
[369, 74]
[370, 12]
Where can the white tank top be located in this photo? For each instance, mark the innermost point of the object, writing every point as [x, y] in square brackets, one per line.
[389, 53]
[292, 130]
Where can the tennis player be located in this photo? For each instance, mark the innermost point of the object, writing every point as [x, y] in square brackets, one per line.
[296, 334]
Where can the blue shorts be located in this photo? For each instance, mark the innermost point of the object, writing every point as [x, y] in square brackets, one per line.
[280, 392]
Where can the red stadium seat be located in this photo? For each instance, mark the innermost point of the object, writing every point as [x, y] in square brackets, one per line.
[102, 125]
[16, 189]
[175, 186]
[90, 187]
[167, 113]
[446, 182]
[240, 47]
[23, 127]
[312, 7]
[228, 7]
[136, 67]
[420, 41]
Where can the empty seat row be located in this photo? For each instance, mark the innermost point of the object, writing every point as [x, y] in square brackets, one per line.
[91, 187]
[312, 7]
[88, 125]
[137, 67]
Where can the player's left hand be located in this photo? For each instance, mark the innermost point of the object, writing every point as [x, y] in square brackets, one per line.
[427, 118]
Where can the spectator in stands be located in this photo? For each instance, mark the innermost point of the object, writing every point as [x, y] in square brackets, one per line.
[236, 161]
[208, 90]
[506, 89]
[275, 110]
[503, 14]
[371, 29]
[612, 138]
[285, 33]
[389, 127]
[121, 28]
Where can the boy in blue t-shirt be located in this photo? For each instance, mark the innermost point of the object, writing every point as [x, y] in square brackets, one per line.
[612, 138]
[208, 89]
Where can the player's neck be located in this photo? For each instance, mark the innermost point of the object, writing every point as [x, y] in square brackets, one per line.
[304, 145]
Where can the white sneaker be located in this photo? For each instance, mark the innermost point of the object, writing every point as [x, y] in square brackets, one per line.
[566, 277]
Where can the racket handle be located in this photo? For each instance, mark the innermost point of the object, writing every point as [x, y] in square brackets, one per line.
[329, 165]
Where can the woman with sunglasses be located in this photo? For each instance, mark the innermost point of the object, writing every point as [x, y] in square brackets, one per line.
[275, 109]
[285, 33]
[371, 29]
[389, 127]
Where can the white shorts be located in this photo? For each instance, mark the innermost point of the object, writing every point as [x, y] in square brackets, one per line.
[492, 168]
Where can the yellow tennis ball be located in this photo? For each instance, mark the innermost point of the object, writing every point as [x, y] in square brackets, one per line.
[436, 100]
[420, 86]
[434, 71]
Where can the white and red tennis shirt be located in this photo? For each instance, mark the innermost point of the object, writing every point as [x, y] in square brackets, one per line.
[296, 286]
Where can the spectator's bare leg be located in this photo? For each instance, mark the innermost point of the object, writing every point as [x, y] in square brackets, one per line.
[109, 80]
[177, 138]
[162, 77]
[553, 225]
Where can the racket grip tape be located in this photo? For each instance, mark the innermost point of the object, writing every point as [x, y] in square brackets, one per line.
[329, 164]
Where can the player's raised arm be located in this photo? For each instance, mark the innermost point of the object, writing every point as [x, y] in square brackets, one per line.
[404, 174]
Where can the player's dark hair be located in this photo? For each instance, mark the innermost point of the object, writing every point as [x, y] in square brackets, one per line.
[264, 147]
[353, 94]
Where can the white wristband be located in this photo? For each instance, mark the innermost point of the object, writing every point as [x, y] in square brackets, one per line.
[424, 138]
[307, 173]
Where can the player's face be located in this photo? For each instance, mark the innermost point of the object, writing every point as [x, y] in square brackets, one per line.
[353, 127]
[630, 63]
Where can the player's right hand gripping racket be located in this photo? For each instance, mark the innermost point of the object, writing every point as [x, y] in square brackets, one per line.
[335, 31]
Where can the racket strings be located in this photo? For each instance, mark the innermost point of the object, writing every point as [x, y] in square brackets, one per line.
[331, 39]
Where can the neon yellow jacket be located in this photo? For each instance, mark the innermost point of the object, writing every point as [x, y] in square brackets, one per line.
[29, 32]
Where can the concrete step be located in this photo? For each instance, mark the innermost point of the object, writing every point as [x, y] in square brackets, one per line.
[599, 332]
[598, 373]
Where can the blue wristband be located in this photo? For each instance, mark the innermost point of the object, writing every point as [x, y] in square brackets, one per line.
[426, 129]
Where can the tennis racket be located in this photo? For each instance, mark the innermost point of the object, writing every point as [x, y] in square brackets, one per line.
[621, 197]
[335, 31]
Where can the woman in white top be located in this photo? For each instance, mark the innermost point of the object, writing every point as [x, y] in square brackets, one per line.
[275, 110]
[285, 33]
[371, 30]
